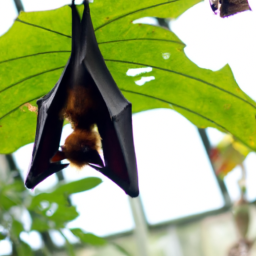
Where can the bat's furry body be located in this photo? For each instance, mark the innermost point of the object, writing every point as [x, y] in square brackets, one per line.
[84, 109]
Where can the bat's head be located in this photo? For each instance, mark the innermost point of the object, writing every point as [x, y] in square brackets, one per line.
[80, 148]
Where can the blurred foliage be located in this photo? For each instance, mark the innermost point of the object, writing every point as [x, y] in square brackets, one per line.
[48, 211]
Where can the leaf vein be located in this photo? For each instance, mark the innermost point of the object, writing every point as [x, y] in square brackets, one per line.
[31, 55]
[187, 76]
[29, 77]
[138, 39]
[129, 13]
[47, 29]
[174, 104]
[20, 106]
[187, 109]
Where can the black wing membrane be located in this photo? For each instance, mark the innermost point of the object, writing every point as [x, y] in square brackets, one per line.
[48, 133]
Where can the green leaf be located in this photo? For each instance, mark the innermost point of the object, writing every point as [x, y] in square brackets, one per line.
[206, 98]
[62, 191]
[64, 214]
[36, 201]
[17, 228]
[41, 224]
[53, 218]
[88, 238]
[78, 186]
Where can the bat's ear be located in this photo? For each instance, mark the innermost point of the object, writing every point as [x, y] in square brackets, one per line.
[94, 157]
[59, 155]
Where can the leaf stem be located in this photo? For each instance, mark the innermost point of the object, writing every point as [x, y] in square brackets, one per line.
[69, 246]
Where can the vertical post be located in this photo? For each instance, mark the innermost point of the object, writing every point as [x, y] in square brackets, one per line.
[19, 5]
[222, 185]
[141, 232]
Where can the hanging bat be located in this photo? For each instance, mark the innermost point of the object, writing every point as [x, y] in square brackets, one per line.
[88, 97]
[229, 7]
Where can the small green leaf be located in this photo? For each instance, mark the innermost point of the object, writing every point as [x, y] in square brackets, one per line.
[17, 228]
[53, 217]
[78, 186]
[64, 214]
[41, 224]
[88, 238]
[62, 191]
[58, 198]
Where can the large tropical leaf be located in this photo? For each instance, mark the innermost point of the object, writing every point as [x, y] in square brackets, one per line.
[37, 47]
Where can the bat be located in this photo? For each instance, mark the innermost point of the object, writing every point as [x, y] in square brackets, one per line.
[87, 95]
[229, 7]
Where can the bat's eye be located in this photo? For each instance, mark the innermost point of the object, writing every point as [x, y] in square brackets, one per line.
[85, 149]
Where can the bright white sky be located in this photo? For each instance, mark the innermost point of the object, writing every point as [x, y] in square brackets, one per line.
[175, 181]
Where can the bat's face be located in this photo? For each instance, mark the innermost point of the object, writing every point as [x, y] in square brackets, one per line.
[229, 7]
[80, 148]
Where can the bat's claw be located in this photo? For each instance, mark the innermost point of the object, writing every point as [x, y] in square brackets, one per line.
[59, 155]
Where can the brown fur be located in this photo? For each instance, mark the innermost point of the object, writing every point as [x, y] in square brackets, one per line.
[75, 143]
[80, 138]
[231, 7]
[83, 109]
